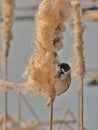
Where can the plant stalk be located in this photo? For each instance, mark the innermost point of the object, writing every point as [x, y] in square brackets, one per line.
[80, 94]
[51, 115]
[5, 94]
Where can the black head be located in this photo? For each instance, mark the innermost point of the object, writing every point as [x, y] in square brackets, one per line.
[64, 66]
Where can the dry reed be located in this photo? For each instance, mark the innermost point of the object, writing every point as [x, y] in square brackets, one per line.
[11, 86]
[50, 27]
[79, 67]
[7, 16]
[41, 71]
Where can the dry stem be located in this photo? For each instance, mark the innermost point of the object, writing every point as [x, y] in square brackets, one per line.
[51, 114]
[79, 69]
[7, 15]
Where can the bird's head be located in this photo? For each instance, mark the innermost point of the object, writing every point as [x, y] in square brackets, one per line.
[64, 67]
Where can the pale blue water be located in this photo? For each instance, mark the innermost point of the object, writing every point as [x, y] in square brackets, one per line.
[20, 51]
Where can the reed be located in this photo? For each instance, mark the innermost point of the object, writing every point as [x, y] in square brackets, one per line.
[41, 72]
[79, 67]
[50, 27]
[7, 16]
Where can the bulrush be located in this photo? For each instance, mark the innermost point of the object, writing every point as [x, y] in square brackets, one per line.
[7, 15]
[45, 73]
[79, 66]
[42, 68]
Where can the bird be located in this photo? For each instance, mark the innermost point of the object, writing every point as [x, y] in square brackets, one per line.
[63, 78]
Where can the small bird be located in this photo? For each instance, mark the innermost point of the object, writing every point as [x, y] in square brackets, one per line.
[63, 78]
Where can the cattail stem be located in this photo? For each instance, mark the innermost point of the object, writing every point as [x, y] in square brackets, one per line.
[79, 70]
[5, 93]
[7, 16]
[51, 114]
[80, 98]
